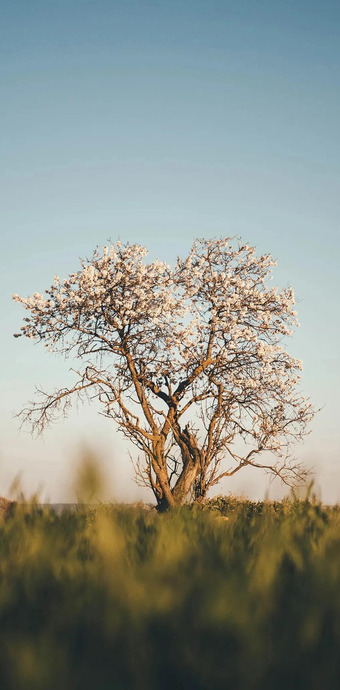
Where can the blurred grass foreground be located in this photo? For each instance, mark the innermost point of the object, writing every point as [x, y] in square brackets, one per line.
[123, 598]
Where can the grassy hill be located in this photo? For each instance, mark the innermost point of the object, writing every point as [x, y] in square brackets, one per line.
[236, 594]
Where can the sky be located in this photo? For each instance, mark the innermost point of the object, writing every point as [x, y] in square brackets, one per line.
[158, 122]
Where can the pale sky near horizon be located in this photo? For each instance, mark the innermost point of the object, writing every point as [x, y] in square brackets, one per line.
[157, 122]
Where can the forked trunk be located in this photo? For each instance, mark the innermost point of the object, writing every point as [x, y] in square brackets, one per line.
[185, 483]
[192, 474]
[177, 496]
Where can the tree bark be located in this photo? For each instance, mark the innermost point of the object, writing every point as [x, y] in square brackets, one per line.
[185, 482]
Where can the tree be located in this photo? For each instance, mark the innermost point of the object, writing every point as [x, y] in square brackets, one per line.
[189, 362]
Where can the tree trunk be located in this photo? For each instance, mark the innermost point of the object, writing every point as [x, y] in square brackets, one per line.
[192, 469]
[184, 483]
[177, 496]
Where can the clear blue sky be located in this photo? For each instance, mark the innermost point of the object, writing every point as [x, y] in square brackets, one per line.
[156, 122]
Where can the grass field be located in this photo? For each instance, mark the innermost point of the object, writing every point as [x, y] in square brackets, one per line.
[123, 598]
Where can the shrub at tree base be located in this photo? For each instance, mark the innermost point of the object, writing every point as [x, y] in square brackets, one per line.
[127, 599]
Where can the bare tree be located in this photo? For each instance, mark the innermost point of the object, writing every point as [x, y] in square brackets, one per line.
[190, 362]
